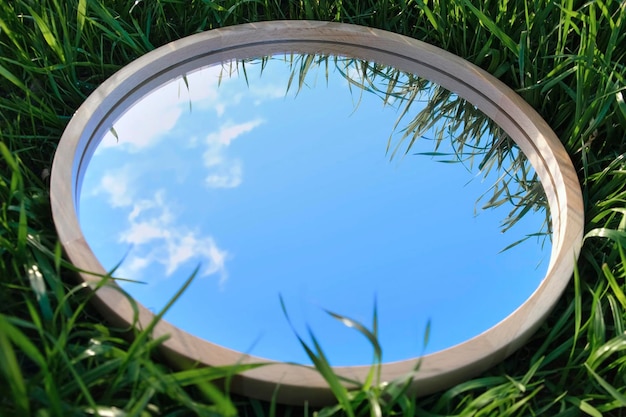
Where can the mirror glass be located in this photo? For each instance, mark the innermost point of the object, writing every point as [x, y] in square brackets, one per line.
[334, 184]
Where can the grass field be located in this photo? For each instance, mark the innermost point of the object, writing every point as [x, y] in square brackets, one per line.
[566, 58]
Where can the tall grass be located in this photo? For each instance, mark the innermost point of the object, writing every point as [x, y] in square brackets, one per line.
[566, 58]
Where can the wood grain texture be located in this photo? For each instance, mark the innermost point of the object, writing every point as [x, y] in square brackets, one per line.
[297, 384]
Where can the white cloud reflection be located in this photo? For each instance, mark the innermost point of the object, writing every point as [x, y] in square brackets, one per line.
[225, 172]
[265, 92]
[155, 233]
[157, 236]
[227, 175]
[115, 185]
[153, 116]
[146, 122]
[156, 114]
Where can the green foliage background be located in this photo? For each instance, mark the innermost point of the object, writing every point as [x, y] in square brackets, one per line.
[566, 58]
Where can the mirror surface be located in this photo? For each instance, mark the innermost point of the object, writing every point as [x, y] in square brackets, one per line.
[298, 177]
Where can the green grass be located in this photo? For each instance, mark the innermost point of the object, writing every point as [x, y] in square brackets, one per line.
[57, 358]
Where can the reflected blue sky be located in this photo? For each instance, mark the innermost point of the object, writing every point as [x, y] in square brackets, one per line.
[295, 194]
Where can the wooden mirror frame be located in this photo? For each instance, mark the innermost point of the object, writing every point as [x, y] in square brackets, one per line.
[299, 383]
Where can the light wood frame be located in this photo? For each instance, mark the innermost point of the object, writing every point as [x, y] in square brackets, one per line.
[297, 383]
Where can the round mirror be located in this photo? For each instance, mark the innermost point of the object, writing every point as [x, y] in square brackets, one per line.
[305, 181]
[288, 175]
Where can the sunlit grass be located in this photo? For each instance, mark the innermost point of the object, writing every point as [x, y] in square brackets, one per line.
[57, 357]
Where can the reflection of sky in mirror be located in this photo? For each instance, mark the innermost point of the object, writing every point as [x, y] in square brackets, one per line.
[276, 194]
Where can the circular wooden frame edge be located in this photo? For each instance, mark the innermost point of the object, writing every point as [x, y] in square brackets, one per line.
[298, 384]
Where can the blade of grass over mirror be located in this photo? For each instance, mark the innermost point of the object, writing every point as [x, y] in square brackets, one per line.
[551, 48]
[372, 396]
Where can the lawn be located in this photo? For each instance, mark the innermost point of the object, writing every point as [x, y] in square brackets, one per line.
[58, 357]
